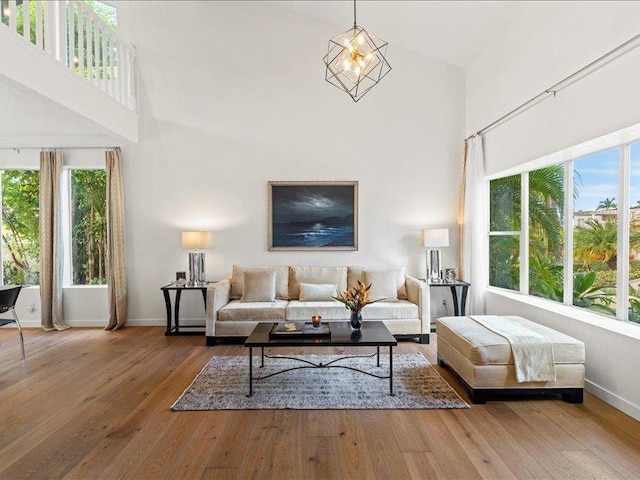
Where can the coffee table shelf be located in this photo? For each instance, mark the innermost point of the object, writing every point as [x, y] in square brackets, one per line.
[372, 334]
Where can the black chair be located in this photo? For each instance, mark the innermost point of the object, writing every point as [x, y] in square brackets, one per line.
[8, 298]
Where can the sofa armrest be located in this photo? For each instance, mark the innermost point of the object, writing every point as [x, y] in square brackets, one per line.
[418, 293]
[218, 295]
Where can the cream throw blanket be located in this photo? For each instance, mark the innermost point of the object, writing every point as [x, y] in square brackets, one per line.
[532, 353]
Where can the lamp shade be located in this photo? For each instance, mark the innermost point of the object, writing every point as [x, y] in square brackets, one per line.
[195, 240]
[435, 237]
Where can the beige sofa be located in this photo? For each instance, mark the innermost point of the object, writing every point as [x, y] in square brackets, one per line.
[233, 312]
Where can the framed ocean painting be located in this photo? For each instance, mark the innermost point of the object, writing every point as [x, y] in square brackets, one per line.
[313, 215]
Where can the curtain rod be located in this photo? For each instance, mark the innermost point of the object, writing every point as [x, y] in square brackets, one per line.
[551, 91]
[17, 149]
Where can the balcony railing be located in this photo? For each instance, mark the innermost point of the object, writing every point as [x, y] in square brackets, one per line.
[73, 35]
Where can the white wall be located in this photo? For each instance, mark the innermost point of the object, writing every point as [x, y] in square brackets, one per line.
[238, 98]
[533, 53]
[546, 44]
[232, 95]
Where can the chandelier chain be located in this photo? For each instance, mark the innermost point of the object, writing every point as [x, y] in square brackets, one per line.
[354, 14]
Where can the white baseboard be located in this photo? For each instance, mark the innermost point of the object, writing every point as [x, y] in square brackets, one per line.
[144, 322]
[613, 399]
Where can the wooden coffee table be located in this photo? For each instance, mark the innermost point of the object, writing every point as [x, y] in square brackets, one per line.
[372, 334]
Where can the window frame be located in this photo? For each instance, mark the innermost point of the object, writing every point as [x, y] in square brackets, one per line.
[5, 168]
[622, 141]
[67, 195]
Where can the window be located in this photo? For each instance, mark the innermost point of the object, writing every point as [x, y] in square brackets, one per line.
[87, 231]
[546, 232]
[590, 260]
[20, 227]
[634, 233]
[504, 240]
[595, 238]
[88, 226]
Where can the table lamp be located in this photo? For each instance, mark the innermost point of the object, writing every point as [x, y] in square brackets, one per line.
[196, 241]
[432, 239]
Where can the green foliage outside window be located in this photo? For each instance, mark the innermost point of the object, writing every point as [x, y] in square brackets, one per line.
[594, 253]
[89, 226]
[20, 227]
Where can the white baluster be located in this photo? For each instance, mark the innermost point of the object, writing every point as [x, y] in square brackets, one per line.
[89, 49]
[61, 32]
[26, 21]
[122, 89]
[104, 63]
[114, 68]
[50, 28]
[96, 54]
[81, 37]
[132, 103]
[39, 33]
[71, 34]
[112, 85]
[13, 13]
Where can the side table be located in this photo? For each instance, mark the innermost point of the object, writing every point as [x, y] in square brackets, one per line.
[175, 328]
[458, 310]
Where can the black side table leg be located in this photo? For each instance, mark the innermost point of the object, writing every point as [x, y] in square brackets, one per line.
[378, 348]
[167, 304]
[463, 303]
[250, 372]
[177, 310]
[204, 297]
[454, 295]
[261, 357]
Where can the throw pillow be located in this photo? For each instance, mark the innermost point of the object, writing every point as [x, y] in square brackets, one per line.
[259, 286]
[317, 292]
[383, 284]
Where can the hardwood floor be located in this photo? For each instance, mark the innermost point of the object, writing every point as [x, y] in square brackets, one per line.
[93, 404]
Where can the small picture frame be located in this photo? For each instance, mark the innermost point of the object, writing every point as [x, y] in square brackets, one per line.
[450, 275]
[181, 278]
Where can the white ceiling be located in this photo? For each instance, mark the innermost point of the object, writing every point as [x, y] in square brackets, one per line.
[450, 31]
[454, 32]
[28, 119]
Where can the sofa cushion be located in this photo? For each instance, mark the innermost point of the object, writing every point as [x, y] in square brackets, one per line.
[306, 274]
[357, 273]
[259, 286]
[236, 310]
[297, 310]
[282, 280]
[383, 284]
[484, 347]
[398, 310]
[317, 292]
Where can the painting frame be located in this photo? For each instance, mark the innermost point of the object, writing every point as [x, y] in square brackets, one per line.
[307, 206]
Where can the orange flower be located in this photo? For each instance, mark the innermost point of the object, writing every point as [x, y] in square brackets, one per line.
[356, 299]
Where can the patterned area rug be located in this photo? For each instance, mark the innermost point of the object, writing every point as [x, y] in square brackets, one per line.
[224, 383]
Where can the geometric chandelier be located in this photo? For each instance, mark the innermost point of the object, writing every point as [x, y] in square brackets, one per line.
[356, 61]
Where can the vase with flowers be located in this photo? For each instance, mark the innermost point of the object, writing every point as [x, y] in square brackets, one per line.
[355, 300]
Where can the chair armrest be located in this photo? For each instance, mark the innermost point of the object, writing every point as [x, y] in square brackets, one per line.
[218, 295]
[418, 293]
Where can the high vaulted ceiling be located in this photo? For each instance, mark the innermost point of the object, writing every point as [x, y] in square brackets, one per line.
[454, 32]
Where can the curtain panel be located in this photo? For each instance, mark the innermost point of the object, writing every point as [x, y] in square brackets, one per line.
[117, 279]
[473, 225]
[51, 243]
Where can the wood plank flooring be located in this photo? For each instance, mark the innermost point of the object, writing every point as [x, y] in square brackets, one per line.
[91, 404]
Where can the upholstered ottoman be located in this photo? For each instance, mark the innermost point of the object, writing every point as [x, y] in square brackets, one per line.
[484, 361]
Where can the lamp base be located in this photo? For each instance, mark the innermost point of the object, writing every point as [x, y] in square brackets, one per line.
[196, 267]
[434, 260]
